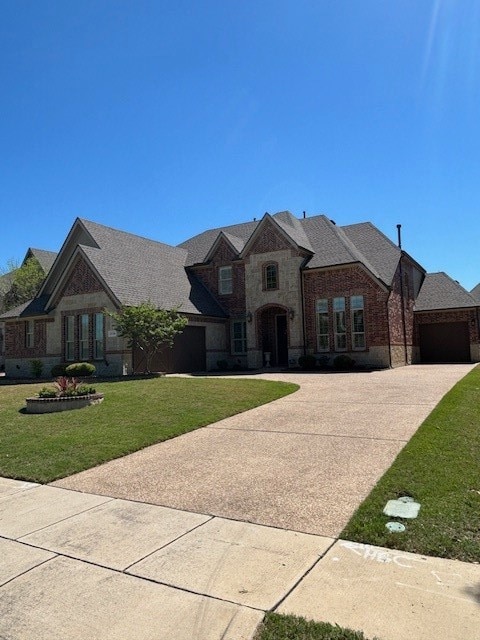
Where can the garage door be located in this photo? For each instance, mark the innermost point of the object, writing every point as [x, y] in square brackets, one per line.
[187, 354]
[445, 342]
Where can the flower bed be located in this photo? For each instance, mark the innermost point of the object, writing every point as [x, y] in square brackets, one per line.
[62, 403]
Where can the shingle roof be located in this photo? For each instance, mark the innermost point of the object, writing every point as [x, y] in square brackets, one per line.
[475, 292]
[138, 269]
[440, 291]
[45, 258]
[33, 307]
[198, 247]
[331, 245]
[381, 252]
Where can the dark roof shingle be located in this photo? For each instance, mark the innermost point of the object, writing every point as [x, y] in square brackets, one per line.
[440, 291]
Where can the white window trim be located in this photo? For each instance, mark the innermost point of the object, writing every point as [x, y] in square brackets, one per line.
[243, 339]
[225, 284]
[358, 333]
[338, 333]
[29, 334]
[318, 313]
[70, 339]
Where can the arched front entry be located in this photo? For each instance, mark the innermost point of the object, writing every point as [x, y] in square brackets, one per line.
[273, 334]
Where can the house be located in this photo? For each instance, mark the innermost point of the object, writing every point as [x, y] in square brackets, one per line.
[45, 260]
[262, 291]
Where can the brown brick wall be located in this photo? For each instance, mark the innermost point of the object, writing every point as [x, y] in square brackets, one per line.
[395, 305]
[234, 303]
[15, 339]
[81, 280]
[346, 282]
[270, 239]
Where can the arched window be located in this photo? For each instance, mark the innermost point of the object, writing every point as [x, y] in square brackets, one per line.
[270, 276]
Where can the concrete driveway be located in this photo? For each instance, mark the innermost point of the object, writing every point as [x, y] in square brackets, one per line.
[304, 462]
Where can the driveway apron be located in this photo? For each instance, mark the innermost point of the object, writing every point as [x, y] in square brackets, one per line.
[304, 462]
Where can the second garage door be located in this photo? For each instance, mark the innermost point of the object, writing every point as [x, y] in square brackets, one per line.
[445, 342]
[187, 354]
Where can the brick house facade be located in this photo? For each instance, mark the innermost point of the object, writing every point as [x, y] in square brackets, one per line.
[256, 293]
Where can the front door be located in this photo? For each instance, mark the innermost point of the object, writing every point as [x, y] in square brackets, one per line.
[281, 340]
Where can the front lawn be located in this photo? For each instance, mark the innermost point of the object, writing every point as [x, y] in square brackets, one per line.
[282, 627]
[440, 468]
[134, 414]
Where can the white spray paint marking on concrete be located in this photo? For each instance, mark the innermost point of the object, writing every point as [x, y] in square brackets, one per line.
[377, 554]
[434, 592]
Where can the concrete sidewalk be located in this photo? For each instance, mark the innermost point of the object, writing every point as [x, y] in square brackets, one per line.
[78, 565]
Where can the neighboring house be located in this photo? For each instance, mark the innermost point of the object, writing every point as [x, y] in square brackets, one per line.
[45, 259]
[280, 286]
[475, 292]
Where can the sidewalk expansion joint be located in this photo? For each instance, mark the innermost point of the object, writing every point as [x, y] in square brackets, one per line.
[309, 433]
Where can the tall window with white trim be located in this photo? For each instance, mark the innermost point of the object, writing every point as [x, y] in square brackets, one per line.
[323, 340]
[98, 348]
[69, 338]
[239, 337]
[358, 322]
[84, 351]
[29, 333]
[225, 281]
[340, 326]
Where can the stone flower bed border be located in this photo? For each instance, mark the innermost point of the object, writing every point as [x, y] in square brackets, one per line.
[64, 403]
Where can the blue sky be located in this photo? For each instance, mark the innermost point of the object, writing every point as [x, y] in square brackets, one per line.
[167, 118]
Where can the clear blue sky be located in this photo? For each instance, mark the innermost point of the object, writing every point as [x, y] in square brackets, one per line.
[167, 118]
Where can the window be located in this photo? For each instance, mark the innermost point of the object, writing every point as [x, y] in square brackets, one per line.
[84, 351]
[323, 341]
[29, 334]
[270, 277]
[358, 322]
[225, 280]
[98, 337]
[239, 337]
[340, 328]
[69, 338]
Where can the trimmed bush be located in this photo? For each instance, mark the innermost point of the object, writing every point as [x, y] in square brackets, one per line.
[58, 369]
[47, 393]
[222, 365]
[308, 362]
[36, 367]
[343, 362]
[80, 369]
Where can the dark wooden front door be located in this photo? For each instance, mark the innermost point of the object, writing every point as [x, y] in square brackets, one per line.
[281, 340]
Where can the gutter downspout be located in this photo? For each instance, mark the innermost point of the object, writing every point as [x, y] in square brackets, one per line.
[402, 296]
[388, 330]
[304, 330]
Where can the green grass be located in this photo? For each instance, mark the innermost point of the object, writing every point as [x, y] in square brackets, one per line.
[134, 414]
[440, 468]
[280, 627]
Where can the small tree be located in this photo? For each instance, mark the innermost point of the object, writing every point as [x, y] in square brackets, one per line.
[149, 329]
[26, 281]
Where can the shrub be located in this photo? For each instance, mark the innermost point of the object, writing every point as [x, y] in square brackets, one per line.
[343, 362]
[222, 365]
[47, 393]
[308, 362]
[58, 369]
[82, 369]
[84, 390]
[66, 386]
[36, 367]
